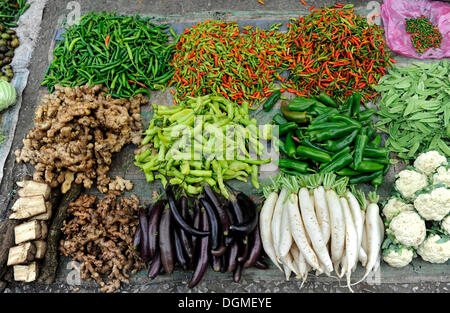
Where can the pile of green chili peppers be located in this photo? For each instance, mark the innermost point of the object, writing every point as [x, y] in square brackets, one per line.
[10, 11]
[319, 135]
[127, 54]
[192, 144]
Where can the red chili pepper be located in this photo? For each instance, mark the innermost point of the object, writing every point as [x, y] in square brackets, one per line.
[107, 40]
[135, 82]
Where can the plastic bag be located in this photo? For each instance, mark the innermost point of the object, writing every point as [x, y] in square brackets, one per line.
[394, 12]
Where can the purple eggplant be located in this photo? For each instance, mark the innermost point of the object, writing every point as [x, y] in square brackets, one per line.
[223, 216]
[236, 209]
[214, 226]
[143, 224]
[155, 267]
[244, 250]
[179, 250]
[186, 239]
[202, 263]
[237, 273]
[137, 238]
[166, 244]
[153, 226]
[232, 256]
[223, 263]
[255, 251]
[261, 265]
[248, 227]
[216, 263]
[177, 216]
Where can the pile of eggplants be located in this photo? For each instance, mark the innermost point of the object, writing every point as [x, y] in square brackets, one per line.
[192, 233]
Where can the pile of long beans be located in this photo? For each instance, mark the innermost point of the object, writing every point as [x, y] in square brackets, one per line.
[336, 51]
[342, 141]
[196, 232]
[11, 10]
[206, 139]
[128, 54]
[215, 57]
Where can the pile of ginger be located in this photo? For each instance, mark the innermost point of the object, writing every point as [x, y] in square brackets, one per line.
[100, 237]
[76, 131]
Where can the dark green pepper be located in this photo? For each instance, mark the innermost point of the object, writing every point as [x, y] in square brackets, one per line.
[347, 106]
[356, 103]
[295, 165]
[294, 116]
[327, 100]
[345, 119]
[381, 160]
[360, 145]
[376, 142]
[308, 143]
[321, 135]
[338, 164]
[346, 171]
[282, 147]
[337, 145]
[313, 154]
[366, 114]
[377, 181]
[367, 166]
[336, 156]
[372, 152]
[364, 178]
[292, 172]
[324, 116]
[279, 119]
[326, 125]
[289, 145]
[302, 104]
[287, 127]
[270, 102]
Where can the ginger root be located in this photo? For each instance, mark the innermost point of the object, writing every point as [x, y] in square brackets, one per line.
[76, 132]
[100, 237]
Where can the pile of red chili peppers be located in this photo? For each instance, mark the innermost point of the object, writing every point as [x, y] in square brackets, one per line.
[335, 51]
[424, 34]
[215, 57]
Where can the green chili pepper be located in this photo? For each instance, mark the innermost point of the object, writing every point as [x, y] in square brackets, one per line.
[377, 181]
[279, 119]
[376, 142]
[345, 119]
[327, 100]
[367, 166]
[337, 145]
[378, 152]
[290, 145]
[295, 165]
[308, 143]
[360, 145]
[321, 135]
[298, 117]
[287, 127]
[356, 104]
[313, 154]
[301, 104]
[292, 172]
[377, 160]
[347, 106]
[338, 164]
[326, 125]
[364, 178]
[346, 171]
[366, 114]
[270, 102]
[324, 117]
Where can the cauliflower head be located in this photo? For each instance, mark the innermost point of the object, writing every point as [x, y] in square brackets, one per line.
[401, 259]
[442, 176]
[433, 206]
[408, 228]
[445, 224]
[408, 182]
[434, 252]
[395, 206]
[429, 161]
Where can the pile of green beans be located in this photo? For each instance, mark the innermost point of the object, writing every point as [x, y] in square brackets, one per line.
[10, 11]
[127, 54]
[191, 143]
[317, 137]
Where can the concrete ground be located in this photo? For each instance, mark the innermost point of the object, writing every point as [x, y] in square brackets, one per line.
[437, 280]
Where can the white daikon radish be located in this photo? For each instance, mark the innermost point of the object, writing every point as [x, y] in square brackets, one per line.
[285, 232]
[351, 241]
[265, 221]
[323, 217]
[276, 221]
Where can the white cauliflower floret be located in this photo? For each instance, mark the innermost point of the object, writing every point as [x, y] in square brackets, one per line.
[408, 182]
[395, 206]
[434, 252]
[429, 161]
[442, 176]
[408, 228]
[445, 224]
[433, 206]
[401, 259]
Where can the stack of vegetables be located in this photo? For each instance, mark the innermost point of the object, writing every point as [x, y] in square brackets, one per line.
[316, 223]
[339, 139]
[414, 109]
[335, 50]
[215, 57]
[126, 54]
[195, 232]
[207, 139]
[10, 11]
[418, 213]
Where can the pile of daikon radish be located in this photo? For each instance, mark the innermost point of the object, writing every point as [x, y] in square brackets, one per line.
[316, 223]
